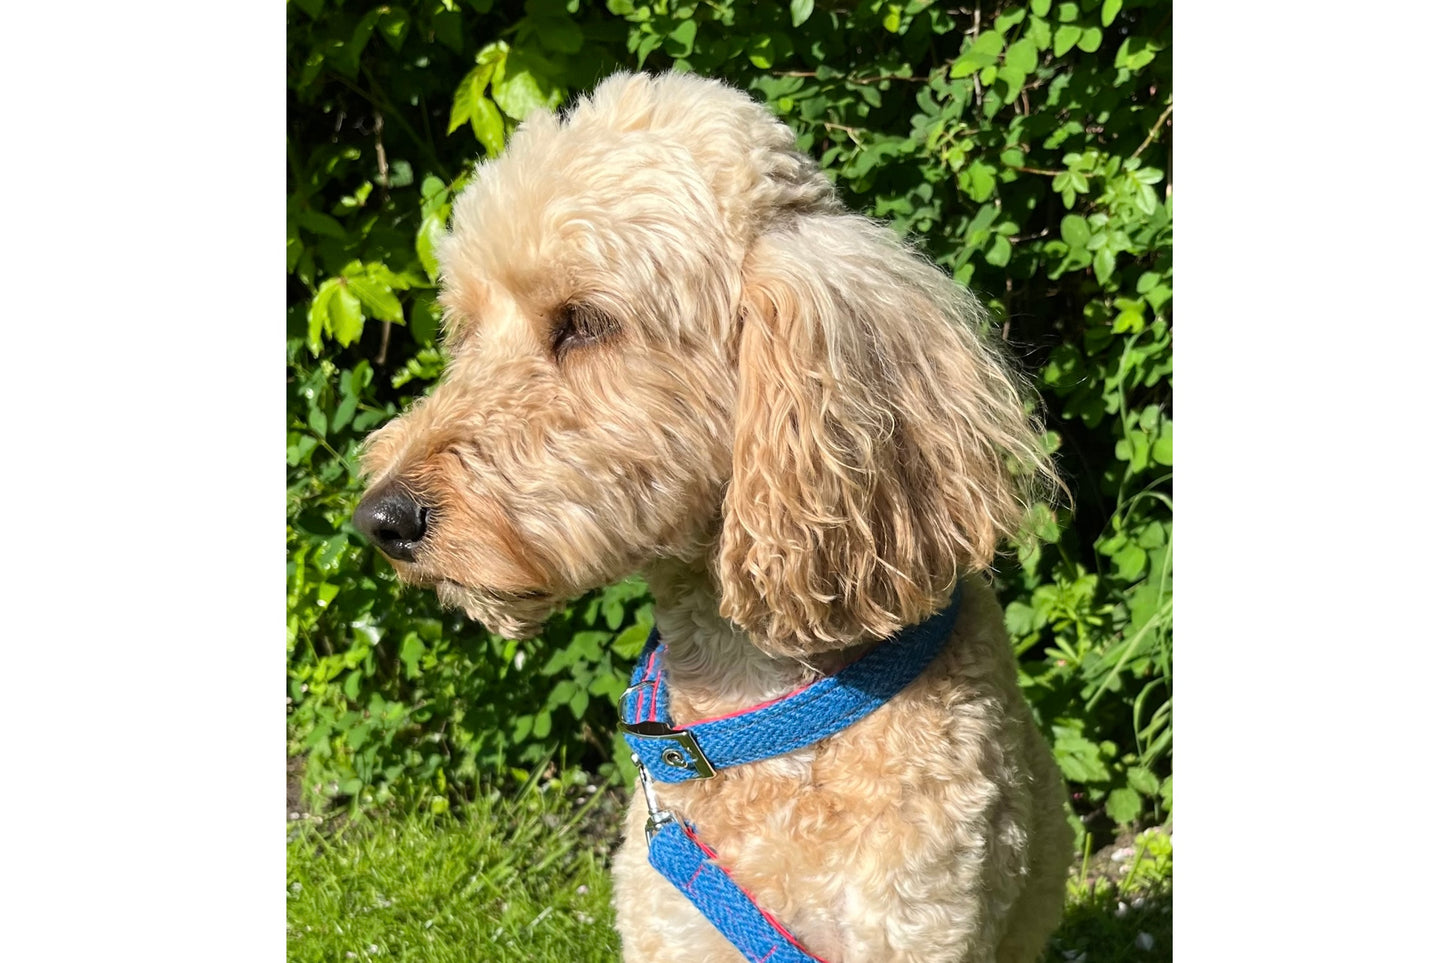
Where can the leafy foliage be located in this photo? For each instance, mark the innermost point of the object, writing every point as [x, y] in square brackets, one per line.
[1024, 146]
[1124, 912]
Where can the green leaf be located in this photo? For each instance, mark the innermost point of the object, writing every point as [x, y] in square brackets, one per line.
[1040, 33]
[760, 52]
[347, 57]
[983, 52]
[323, 224]
[1090, 40]
[469, 92]
[1084, 766]
[801, 10]
[433, 228]
[563, 691]
[1148, 201]
[425, 319]
[1040, 7]
[981, 181]
[1128, 321]
[493, 53]
[412, 649]
[1075, 231]
[1123, 806]
[1134, 53]
[999, 251]
[1103, 264]
[344, 316]
[578, 703]
[630, 641]
[523, 84]
[345, 410]
[1111, 10]
[1022, 56]
[487, 126]
[678, 43]
[1013, 78]
[316, 421]
[556, 662]
[1078, 758]
[1143, 781]
[1066, 37]
[649, 43]
[318, 317]
[394, 24]
[613, 610]
[1163, 450]
[1010, 18]
[1130, 562]
[379, 301]
[1018, 618]
[297, 451]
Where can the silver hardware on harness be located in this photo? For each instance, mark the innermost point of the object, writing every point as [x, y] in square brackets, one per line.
[657, 817]
[684, 753]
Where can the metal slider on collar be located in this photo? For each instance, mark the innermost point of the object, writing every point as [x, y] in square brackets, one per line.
[682, 753]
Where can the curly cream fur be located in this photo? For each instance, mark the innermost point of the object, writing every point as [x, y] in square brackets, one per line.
[872, 439]
[791, 424]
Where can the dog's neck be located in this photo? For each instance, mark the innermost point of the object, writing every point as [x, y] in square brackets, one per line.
[713, 667]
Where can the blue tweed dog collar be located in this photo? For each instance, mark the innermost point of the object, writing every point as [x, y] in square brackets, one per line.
[786, 724]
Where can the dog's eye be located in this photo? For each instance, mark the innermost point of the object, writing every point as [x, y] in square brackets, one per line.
[579, 325]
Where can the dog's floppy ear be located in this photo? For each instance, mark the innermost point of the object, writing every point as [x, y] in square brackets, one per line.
[881, 447]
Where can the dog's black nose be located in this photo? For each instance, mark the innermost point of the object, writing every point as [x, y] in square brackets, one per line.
[393, 520]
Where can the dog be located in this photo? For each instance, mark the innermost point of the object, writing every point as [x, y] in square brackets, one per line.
[673, 351]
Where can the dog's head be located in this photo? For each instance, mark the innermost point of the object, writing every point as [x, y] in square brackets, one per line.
[668, 340]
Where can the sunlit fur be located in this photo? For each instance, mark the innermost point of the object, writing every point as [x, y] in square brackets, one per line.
[792, 425]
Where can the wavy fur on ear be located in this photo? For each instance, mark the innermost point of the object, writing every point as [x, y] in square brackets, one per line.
[881, 446]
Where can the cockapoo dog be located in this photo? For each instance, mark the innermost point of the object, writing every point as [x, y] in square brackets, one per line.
[674, 352]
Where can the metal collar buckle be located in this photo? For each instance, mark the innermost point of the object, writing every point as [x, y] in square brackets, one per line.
[684, 753]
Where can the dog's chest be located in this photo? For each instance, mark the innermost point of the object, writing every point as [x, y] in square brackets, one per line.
[824, 838]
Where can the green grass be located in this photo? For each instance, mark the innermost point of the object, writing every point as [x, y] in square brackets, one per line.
[524, 878]
[500, 880]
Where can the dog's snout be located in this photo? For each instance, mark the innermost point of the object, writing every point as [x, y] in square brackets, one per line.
[393, 520]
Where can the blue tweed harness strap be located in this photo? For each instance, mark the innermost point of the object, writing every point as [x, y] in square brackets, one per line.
[786, 724]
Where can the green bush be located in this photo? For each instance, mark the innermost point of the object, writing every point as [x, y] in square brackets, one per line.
[1025, 147]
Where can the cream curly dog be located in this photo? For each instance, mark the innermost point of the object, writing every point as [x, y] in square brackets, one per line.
[674, 352]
